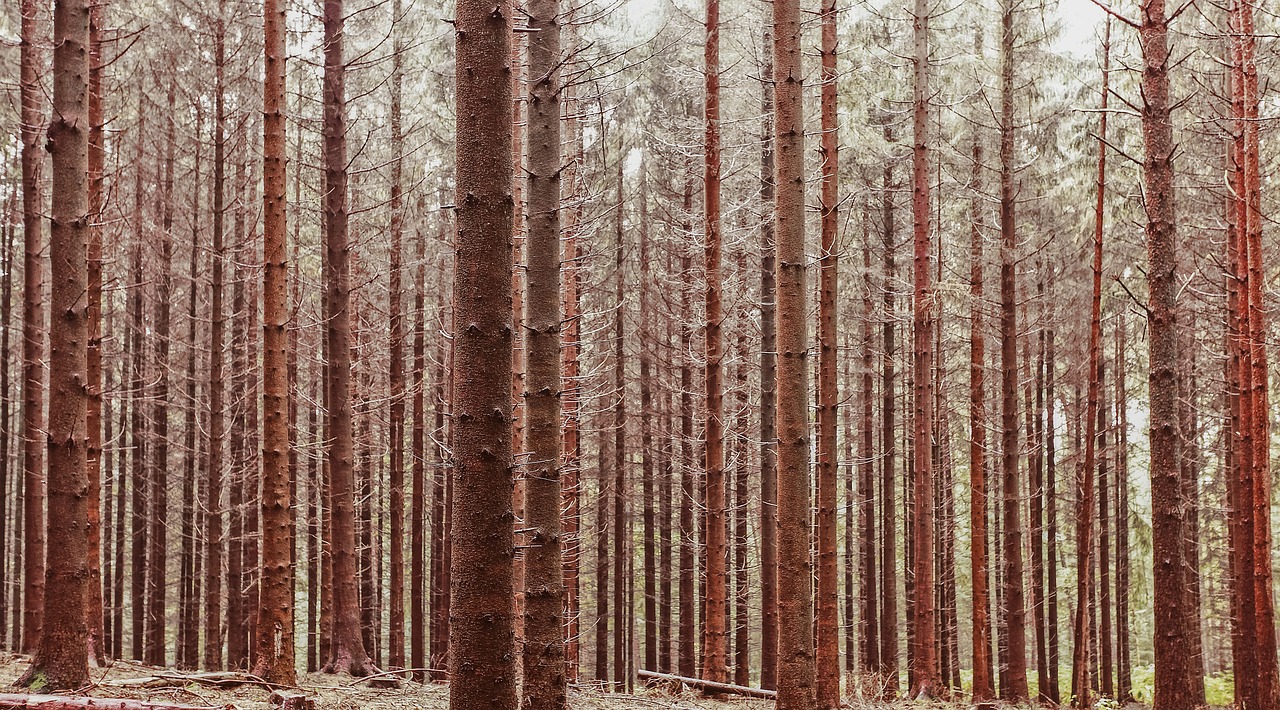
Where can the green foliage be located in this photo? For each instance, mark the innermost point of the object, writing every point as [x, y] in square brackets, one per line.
[1219, 688]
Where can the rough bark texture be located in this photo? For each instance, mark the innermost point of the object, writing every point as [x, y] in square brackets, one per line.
[482, 624]
[715, 627]
[1014, 682]
[274, 647]
[544, 686]
[795, 569]
[33, 329]
[926, 682]
[93, 417]
[1173, 620]
[347, 653]
[828, 623]
[61, 661]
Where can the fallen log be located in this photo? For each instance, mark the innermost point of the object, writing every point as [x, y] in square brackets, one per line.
[19, 701]
[707, 685]
[216, 679]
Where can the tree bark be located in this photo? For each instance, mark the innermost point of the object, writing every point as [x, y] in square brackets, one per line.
[396, 337]
[889, 674]
[544, 686]
[274, 643]
[1173, 621]
[33, 333]
[984, 685]
[213, 504]
[93, 417]
[482, 625]
[715, 630]
[924, 657]
[1014, 605]
[827, 657]
[347, 653]
[61, 661]
[768, 390]
[795, 568]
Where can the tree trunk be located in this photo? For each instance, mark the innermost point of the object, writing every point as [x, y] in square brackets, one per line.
[647, 454]
[924, 657]
[213, 502]
[93, 417]
[1173, 621]
[347, 653]
[1051, 520]
[139, 517]
[828, 623]
[544, 686]
[482, 627]
[984, 685]
[741, 504]
[1014, 606]
[1080, 680]
[33, 329]
[571, 375]
[61, 661]
[274, 643]
[888, 445]
[795, 569]
[396, 376]
[621, 524]
[1124, 680]
[768, 390]
[157, 536]
[688, 534]
[715, 630]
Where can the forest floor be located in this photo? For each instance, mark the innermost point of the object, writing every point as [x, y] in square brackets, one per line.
[123, 679]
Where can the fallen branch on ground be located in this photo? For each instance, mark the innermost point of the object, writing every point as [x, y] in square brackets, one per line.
[707, 685]
[19, 701]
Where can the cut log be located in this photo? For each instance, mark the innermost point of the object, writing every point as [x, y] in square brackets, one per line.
[291, 701]
[19, 701]
[707, 686]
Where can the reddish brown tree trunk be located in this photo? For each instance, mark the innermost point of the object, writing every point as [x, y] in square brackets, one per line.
[795, 568]
[93, 417]
[621, 524]
[274, 647]
[869, 609]
[544, 686]
[1124, 680]
[347, 653]
[1081, 668]
[33, 328]
[61, 661]
[687, 649]
[923, 614]
[418, 571]
[715, 630]
[482, 628]
[741, 503]
[570, 375]
[139, 517]
[647, 454]
[828, 623]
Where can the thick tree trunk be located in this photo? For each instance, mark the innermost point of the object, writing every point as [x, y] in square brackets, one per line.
[1014, 605]
[347, 653]
[482, 625]
[61, 661]
[715, 629]
[1173, 614]
[828, 623]
[274, 646]
[33, 330]
[924, 656]
[544, 686]
[795, 568]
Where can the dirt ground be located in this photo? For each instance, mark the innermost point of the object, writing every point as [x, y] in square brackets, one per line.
[121, 680]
